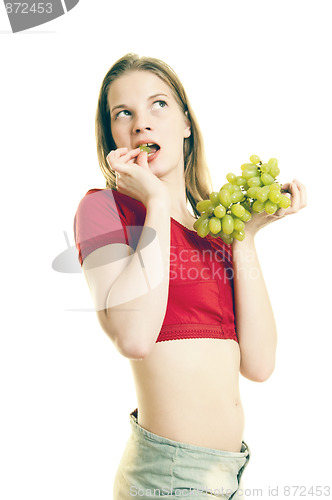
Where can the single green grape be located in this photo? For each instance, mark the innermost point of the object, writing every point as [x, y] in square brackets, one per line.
[265, 168]
[275, 186]
[196, 224]
[250, 172]
[246, 216]
[240, 181]
[203, 228]
[254, 182]
[145, 148]
[238, 235]
[270, 208]
[273, 162]
[238, 224]
[274, 170]
[214, 197]
[214, 225]
[217, 235]
[238, 210]
[219, 211]
[228, 186]
[254, 159]
[263, 193]
[258, 206]
[204, 205]
[225, 197]
[252, 192]
[267, 179]
[284, 202]
[199, 221]
[237, 196]
[227, 224]
[231, 178]
[274, 196]
[227, 238]
[247, 165]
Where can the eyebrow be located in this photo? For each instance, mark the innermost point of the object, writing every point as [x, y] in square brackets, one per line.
[125, 106]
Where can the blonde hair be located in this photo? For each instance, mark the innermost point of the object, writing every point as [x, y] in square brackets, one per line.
[197, 175]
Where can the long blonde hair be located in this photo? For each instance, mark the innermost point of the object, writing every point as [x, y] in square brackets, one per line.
[197, 175]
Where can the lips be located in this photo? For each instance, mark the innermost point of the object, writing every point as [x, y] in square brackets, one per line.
[152, 147]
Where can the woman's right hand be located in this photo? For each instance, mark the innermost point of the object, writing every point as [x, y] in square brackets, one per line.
[134, 177]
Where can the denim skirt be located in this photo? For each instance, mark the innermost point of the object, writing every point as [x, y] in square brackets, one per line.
[152, 466]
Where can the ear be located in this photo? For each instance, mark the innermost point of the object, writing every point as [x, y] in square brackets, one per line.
[187, 130]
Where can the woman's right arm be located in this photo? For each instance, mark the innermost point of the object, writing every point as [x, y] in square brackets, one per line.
[137, 300]
[130, 287]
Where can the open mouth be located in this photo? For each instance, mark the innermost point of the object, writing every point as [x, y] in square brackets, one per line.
[151, 148]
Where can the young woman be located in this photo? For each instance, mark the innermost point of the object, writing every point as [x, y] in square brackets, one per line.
[183, 309]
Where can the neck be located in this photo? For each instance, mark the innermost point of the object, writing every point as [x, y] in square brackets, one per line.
[178, 199]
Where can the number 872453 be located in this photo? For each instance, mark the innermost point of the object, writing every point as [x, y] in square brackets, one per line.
[24, 8]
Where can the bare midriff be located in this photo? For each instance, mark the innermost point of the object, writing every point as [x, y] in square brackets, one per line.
[188, 391]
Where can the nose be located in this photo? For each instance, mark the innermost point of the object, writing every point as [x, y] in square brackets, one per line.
[141, 123]
[141, 129]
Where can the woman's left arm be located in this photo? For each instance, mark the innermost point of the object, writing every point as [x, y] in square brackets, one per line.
[255, 323]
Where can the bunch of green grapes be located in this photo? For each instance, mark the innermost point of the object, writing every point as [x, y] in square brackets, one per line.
[225, 213]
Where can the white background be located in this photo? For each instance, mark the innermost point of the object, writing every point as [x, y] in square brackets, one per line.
[258, 76]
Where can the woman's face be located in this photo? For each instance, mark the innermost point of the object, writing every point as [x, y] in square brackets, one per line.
[143, 110]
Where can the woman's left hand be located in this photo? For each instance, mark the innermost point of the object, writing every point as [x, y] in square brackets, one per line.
[298, 196]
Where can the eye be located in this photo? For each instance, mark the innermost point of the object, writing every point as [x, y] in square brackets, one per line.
[160, 104]
[125, 111]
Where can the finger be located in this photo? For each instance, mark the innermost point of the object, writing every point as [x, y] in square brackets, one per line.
[114, 164]
[132, 154]
[303, 193]
[111, 157]
[117, 153]
[142, 159]
[281, 212]
[295, 199]
[286, 188]
[120, 151]
[118, 158]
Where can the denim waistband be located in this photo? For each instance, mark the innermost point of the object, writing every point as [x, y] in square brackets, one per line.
[140, 432]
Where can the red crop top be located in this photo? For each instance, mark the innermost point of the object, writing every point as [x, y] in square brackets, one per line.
[201, 295]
